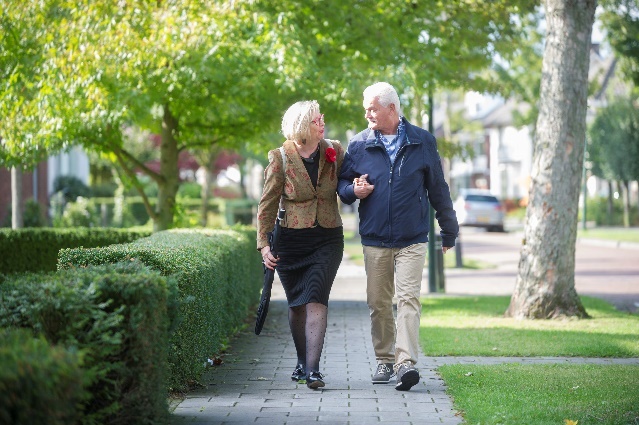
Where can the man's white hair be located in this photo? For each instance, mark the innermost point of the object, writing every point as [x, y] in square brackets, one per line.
[385, 94]
[296, 123]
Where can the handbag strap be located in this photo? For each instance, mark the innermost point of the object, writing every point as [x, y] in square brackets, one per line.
[284, 170]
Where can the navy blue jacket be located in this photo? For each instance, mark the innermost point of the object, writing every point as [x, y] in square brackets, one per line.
[396, 213]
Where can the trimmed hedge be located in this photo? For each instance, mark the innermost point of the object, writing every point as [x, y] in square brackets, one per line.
[597, 211]
[219, 275]
[40, 384]
[118, 318]
[36, 249]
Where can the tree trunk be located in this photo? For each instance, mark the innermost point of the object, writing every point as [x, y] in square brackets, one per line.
[611, 209]
[17, 221]
[625, 191]
[241, 164]
[205, 195]
[169, 171]
[545, 286]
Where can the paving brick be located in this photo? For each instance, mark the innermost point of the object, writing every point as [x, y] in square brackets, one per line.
[253, 384]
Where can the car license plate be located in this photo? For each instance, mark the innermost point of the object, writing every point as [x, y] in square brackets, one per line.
[483, 219]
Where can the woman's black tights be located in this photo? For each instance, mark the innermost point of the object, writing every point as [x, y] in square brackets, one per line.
[308, 327]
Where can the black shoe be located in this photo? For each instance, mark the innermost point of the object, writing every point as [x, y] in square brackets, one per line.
[315, 380]
[407, 377]
[298, 373]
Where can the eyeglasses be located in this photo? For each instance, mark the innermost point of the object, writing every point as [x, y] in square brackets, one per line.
[319, 121]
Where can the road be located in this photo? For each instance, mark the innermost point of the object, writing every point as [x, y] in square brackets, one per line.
[602, 269]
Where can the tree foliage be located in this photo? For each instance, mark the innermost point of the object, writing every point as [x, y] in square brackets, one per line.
[31, 118]
[621, 21]
[220, 74]
[614, 141]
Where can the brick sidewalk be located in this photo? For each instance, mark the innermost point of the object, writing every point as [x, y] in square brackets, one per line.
[254, 386]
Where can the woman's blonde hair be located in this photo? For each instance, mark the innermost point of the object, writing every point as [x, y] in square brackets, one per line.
[296, 123]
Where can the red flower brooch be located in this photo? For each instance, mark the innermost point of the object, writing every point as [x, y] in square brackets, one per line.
[331, 155]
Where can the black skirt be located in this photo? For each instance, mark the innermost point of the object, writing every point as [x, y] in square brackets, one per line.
[309, 259]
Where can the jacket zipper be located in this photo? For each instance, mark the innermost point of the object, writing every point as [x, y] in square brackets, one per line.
[390, 191]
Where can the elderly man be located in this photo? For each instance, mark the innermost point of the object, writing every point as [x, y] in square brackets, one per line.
[394, 168]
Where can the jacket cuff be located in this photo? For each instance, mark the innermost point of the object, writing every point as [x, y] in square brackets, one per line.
[448, 241]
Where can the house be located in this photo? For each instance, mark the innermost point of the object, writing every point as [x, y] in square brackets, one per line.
[503, 150]
[38, 183]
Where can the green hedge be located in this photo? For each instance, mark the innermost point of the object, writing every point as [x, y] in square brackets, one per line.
[117, 318]
[597, 211]
[40, 384]
[219, 275]
[138, 213]
[36, 249]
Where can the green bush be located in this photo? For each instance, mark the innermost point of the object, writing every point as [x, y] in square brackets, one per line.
[190, 190]
[104, 190]
[135, 214]
[219, 274]
[597, 210]
[118, 318]
[32, 216]
[40, 384]
[36, 249]
[79, 213]
[71, 187]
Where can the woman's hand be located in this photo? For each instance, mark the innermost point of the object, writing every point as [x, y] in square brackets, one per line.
[361, 187]
[268, 259]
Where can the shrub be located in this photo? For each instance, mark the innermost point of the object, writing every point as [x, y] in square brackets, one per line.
[219, 275]
[32, 216]
[81, 213]
[118, 318]
[40, 384]
[597, 210]
[105, 190]
[190, 190]
[71, 187]
[36, 249]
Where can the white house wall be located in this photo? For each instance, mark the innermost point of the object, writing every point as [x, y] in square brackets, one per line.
[510, 161]
[73, 162]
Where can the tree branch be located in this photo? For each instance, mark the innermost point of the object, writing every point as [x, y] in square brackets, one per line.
[138, 186]
[158, 178]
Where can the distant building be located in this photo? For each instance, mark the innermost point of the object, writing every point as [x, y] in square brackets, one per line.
[38, 183]
[503, 150]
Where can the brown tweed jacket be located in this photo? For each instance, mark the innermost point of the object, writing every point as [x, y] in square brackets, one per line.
[303, 203]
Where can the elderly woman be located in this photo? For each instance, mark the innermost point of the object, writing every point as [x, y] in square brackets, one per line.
[312, 238]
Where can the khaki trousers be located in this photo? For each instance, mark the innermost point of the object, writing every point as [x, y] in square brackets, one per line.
[398, 270]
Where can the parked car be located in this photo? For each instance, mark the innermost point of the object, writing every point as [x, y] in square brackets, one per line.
[479, 208]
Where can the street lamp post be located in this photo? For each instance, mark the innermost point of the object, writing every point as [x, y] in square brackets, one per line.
[585, 186]
[432, 258]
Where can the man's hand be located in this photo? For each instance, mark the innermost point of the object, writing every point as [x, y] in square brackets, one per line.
[446, 248]
[361, 187]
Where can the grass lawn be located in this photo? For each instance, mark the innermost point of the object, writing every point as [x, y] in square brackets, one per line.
[610, 233]
[514, 394]
[475, 326]
[544, 394]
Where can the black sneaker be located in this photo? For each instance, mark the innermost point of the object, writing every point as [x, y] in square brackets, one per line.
[407, 377]
[315, 380]
[298, 373]
[383, 373]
